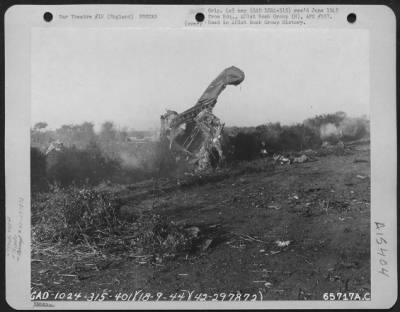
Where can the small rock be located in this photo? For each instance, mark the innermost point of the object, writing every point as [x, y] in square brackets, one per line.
[280, 243]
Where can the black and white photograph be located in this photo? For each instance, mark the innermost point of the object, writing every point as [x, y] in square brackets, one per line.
[200, 164]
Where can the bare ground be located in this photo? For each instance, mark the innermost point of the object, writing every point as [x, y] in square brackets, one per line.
[320, 209]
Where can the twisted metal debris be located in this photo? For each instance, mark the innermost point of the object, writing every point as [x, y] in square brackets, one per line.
[195, 134]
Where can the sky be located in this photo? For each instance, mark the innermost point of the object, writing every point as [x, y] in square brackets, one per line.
[131, 76]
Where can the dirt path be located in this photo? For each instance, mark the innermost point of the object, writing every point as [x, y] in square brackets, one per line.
[321, 210]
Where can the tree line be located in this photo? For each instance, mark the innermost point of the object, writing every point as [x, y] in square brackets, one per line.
[90, 157]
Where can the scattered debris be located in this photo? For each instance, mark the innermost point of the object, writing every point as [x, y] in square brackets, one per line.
[301, 159]
[248, 237]
[281, 159]
[280, 243]
[206, 244]
[139, 256]
[358, 142]
[55, 146]
[193, 231]
[359, 176]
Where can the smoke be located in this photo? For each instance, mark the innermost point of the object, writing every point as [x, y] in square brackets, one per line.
[329, 132]
[128, 160]
[347, 129]
[354, 128]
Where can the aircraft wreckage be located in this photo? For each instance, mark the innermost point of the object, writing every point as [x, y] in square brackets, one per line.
[195, 134]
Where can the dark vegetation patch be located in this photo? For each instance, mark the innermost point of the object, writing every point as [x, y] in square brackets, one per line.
[88, 158]
[91, 219]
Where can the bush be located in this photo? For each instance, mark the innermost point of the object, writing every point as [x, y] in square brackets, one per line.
[87, 211]
[79, 167]
[89, 166]
[166, 237]
[89, 218]
[245, 146]
[69, 214]
[48, 222]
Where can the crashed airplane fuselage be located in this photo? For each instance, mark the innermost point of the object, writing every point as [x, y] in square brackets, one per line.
[195, 134]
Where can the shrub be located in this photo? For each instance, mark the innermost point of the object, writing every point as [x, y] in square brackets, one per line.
[86, 211]
[69, 214]
[168, 237]
[73, 166]
[90, 218]
[245, 146]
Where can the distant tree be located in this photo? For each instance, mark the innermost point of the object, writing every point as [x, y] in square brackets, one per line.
[87, 130]
[83, 134]
[76, 135]
[65, 134]
[341, 115]
[40, 137]
[107, 132]
[40, 125]
[108, 139]
[122, 135]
